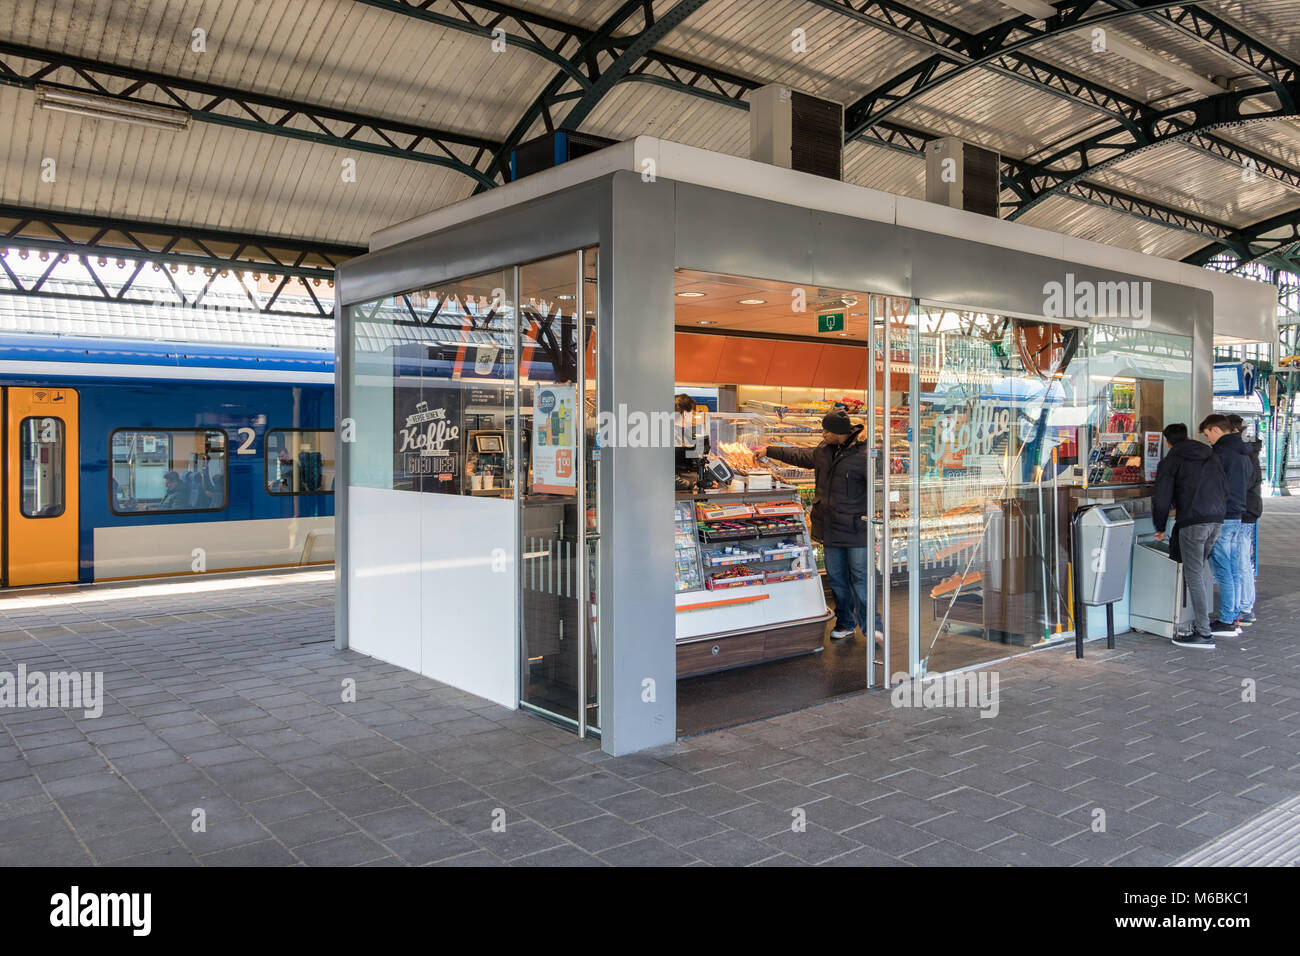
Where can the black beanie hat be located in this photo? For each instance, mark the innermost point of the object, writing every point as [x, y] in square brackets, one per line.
[837, 422]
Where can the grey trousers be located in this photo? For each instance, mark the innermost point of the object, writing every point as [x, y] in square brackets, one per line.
[1196, 542]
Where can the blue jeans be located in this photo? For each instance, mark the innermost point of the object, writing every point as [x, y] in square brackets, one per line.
[846, 572]
[1226, 561]
[1246, 569]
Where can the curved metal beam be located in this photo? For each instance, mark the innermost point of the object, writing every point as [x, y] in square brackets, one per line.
[617, 70]
[1270, 236]
[1079, 160]
[623, 54]
[956, 52]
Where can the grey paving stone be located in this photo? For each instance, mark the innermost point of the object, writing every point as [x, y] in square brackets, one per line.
[680, 826]
[400, 821]
[520, 838]
[601, 833]
[563, 856]
[429, 845]
[1021, 850]
[647, 852]
[814, 844]
[968, 831]
[350, 850]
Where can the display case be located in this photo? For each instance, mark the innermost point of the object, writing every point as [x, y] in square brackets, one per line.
[748, 588]
[1116, 455]
[686, 547]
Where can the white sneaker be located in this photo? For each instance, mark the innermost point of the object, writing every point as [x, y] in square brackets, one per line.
[840, 632]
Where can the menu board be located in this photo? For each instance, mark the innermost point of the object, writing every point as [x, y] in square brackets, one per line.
[554, 439]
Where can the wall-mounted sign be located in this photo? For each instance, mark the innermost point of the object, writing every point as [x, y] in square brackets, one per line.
[830, 322]
[427, 439]
[1230, 379]
[554, 432]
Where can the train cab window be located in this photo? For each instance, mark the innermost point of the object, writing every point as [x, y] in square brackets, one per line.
[300, 462]
[162, 470]
[42, 460]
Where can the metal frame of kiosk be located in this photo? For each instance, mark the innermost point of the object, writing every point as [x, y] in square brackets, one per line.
[697, 210]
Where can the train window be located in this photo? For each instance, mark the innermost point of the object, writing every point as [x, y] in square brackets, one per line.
[300, 462]
[167, 470]
[42, 458]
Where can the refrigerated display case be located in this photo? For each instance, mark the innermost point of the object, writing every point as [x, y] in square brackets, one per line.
[747, 582]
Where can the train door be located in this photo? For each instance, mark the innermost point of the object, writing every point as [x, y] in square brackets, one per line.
[41, 500]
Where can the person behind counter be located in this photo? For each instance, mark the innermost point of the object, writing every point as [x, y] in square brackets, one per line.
[684, 440]
[1191, 479]
[839, 514]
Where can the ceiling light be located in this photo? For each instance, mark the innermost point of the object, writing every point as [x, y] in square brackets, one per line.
[111, 108]
[689, 295]
[565, 298]
[752, 301]
[844, 335]
[705, 322]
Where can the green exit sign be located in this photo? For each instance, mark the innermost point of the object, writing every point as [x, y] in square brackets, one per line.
[830, 322]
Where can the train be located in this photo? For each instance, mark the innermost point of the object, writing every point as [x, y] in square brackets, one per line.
[128, 459]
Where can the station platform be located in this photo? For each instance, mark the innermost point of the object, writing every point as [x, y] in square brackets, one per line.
[225, 696]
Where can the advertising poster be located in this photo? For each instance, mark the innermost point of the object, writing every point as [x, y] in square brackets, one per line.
[1151, 454]
[554, 431]
[427, 443]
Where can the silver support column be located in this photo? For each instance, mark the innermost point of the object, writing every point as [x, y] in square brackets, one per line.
[872, 462]
[886, 445]
[580, 470]
[343, 467]
[520, 482]
[914, 510]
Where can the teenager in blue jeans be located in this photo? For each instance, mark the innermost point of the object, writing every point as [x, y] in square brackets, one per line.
[1226, 556]
[839, 514]
[1250, 525]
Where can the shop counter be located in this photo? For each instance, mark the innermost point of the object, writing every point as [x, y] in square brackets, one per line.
[748, 589]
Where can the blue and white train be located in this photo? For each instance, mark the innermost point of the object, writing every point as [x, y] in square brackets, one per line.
[130, 459]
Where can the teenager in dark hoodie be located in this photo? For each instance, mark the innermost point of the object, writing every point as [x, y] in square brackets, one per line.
[1226, 557]
[1191, 480]
[1250, 523]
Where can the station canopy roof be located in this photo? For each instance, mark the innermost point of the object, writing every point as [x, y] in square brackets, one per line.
[1164, 128]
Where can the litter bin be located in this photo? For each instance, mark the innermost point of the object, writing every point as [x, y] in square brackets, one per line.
[1160, 603]
[1103, 544]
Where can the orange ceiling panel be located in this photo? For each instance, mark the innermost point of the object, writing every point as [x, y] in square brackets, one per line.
[840, 367]
[697, 357]
[794, 364]
[745, 361]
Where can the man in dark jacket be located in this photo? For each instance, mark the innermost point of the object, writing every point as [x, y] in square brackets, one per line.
[1191, 479]
[839, 512]
[1226, 557]
[1250, 526]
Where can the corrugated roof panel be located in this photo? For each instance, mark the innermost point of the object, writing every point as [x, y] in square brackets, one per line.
[999, 113]
[1187, 179]
[890, 170]
[844, 58]
[627, 112]
[1075, 218]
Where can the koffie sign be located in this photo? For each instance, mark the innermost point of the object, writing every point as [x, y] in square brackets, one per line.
[428, 445]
